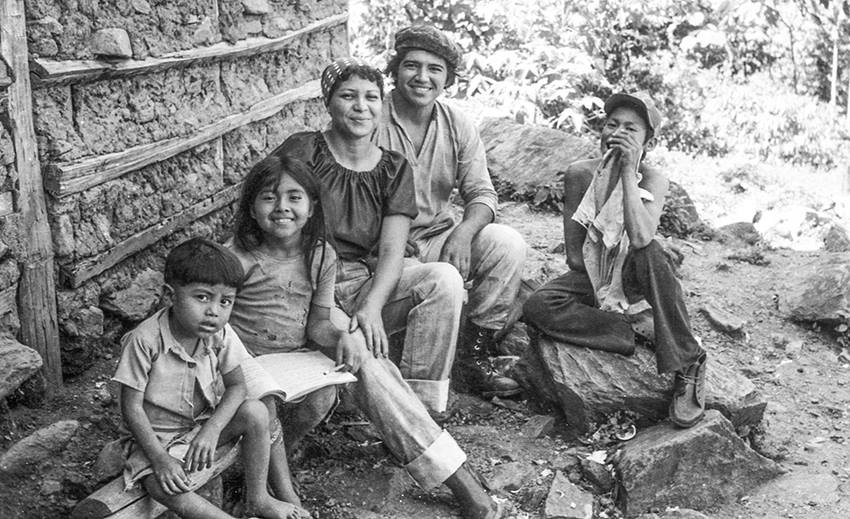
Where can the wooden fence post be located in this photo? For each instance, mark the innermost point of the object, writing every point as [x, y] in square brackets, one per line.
[36, 288]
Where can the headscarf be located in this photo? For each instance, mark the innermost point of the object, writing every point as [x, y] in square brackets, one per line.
[332, 73]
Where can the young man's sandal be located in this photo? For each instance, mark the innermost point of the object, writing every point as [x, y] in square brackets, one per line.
[688, 405]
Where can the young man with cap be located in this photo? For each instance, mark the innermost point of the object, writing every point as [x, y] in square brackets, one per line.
[620, 281]
[445, 151]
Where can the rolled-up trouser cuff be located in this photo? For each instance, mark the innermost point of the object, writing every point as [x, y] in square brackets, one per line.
[434, 394]
[439, 461]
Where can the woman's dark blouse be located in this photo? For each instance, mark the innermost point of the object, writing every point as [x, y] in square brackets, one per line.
[356, 201]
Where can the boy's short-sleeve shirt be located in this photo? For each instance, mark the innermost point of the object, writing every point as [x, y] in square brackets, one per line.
[154, 362]
[271, 309]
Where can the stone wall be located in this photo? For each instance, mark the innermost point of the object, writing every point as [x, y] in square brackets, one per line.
[64, 29]
[10, 248]
[88, 117]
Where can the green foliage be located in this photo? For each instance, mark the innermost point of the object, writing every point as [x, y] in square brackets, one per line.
[715, 68]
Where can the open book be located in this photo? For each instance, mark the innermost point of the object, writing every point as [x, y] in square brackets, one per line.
[291, 375]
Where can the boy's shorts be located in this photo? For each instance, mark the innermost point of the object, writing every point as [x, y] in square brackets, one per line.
[137, 465]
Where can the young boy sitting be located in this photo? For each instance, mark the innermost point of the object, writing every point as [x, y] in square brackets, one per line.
[182, 390]
[620, 279]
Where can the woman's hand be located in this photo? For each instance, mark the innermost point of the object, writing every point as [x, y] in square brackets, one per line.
[201, 451]
[369, 321]
[170, 475]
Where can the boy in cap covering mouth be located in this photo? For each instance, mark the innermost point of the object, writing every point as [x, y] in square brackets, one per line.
[445, 151]
[621, 282]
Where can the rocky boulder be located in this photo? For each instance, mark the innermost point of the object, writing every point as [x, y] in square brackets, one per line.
[525, 160]
[698, 468]
[17, 364]
[24, 456]
[138, 300]
[589, 385]
[819, 291]
[679, 217]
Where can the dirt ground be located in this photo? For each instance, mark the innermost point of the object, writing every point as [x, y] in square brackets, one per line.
[344, 472]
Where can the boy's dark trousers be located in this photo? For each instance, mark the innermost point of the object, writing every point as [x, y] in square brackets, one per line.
[565, 309]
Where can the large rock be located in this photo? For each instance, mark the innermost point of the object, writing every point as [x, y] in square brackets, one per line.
[819, 291]
[25, 455]
[17, 364]
[590, 384]
[698, 468]
[526, 159]
[679, 217]
[137, 301]
[836, 240]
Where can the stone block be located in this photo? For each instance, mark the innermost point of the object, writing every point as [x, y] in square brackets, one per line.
[111, 42]
[25, 455]
[137, 301]
[701, 467]
[721, 319]
[567, 501]
[256, 7]
[591, 384]
[819, 291]
[17, 364]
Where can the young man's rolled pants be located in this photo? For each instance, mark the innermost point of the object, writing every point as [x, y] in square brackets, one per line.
[565, 309]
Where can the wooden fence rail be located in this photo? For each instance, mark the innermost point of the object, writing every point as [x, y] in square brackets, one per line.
[54, 72]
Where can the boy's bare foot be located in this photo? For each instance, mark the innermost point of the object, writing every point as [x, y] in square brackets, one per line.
[271, 508]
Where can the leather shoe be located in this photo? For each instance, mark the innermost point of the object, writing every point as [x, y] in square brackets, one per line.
[688, 405]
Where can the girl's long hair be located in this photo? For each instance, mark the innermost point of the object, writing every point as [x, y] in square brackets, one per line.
[247, 233]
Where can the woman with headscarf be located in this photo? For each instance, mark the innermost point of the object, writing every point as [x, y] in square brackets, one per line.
[370, 199]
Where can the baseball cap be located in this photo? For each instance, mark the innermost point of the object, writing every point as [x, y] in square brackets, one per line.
[641, 102]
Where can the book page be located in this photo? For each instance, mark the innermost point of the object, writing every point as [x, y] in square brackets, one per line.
[291, 375]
